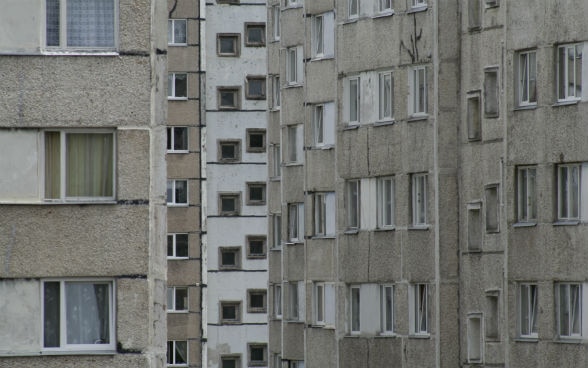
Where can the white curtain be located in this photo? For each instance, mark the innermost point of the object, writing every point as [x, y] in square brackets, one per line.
[90, 23]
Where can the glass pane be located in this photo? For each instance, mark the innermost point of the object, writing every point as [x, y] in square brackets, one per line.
[292, 144]
[293, 221]
[255, 87]
[228, 151]
[422, 93]
[571, 72]
[52, 22]
[563, 192]
[51, 314]
[228, 45]
[255, 34]
[318, 35]
[181, 352]
[353, 100]
[181, 191]
[228, 204]
[181, 85]
[181, 299]
[388, 202]
[181, 245]
[562, 73]
[180, 138]
[179, 31]
[576, 315]
[388, 308]
[170, 298]
[170, 245]
[355, 312]
[531, 202]
[422, 308]
[170, 191]
[170, 31]
[534, 308]
[256, 140]
[524, 78]
[564, 312]
[169, 353]
[292, 65]
[578, 71]
[52, 165]
[89, 165]
[256, 247]
[574, 191]
[257, 354]
[229, 258]
[319, 303]
[318, 118]
[532, 78]
[229, 363]
[229, 312]
[87, 313]
[228, 98]
[525, 310]
[90, 23]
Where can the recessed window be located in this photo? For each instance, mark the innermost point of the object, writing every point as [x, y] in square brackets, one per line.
[177, 353]
[492, 204]
[475, 338]
[176, 32]
[255, 140]
[276, 230]
[324, 304]
[277, 301]
[528, 310]
[474, 226]
[385, 96]
[491, 93]
[323, 119]
[569, 72]
[257, 355]
[79, 166]
[474, 117]
[177, 86]
[526, 194]
[385, 202]
[352, 199]
[419, 309]
[229, 98]
[227, 44]
[568, 192]
[177, 139]
[323, 35]
[229, 258]
[230, 361]
[324, 214]
[256, 301]
[419, 199]
[254, 34]
[256, 193]
[276, 13]
[255, 88]
[256, 245]
[353, 92]
[569, 310]
[527, 78]
[295, 222]
[418, 91]
[355, 298]
[78, 315]
[353, 8]
[230, 312]
[87, 25]
[229, 204]
[177, 246]
[229, 151]
[492, 324]
[177, 299]
[177, 192]
[474, 14]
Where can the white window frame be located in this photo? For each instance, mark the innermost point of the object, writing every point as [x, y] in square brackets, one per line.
[386, 311]
[277, 301]
[295, 144]
[172, 80]
[318, 36]
[418, 98]
[385, 202]
[296, 301]
[353, 9]
[475, 338]
[63, 345]
[353, 99]
[569, 192]
[324, 208]
[171, 185]
[295, 222]
[174, 238]
[527, 194]
[527, 78]
[323, 124]
[573, 317]
[419, 309]
[528, 310]
[294, 66]
[385, 6]
[419, 199]
[172, 139]
[276, 12]
[353, 203]
[172, 296]
[385, 97]
[171, 37]
[563, 69]
[173, 356]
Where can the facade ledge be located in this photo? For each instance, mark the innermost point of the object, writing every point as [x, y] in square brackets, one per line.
[570, 340]
[384, 14]
[290, 243]
[527, 339]
[524, 224]
[79, 53]
[384, 122]
[566, 223]
[417, 9]
[275, 249]
[351, 126]
[418, 117]
[384, 229]
[419, 227]
[566, 103]
[351, 20]
[419, 336]
[293, 85]
[525, 107]
[319, 237]
[322, 57]
[351, 232]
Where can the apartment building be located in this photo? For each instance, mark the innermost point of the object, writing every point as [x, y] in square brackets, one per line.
[184, 178]
[363, 195]
[82, 189]
[235, 165]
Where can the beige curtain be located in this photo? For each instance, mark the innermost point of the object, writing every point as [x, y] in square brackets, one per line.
[89, 165]
[52, 165]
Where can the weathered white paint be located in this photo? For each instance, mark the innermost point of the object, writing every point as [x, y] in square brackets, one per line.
[20, 303]
[20, 179]
[21, 24]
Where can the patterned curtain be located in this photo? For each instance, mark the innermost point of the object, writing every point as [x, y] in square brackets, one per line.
[90, 23]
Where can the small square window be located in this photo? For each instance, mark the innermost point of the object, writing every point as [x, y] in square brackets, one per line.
[255, 140]
[229, 151]
[176, 32]
[256, 193]
[255, 88]
[254, 34]
[256, 301]
[256, 245]
[229, 258]
[177, 139]
[228, 44]
[257, 355]
[177, 192]
[230, 312]
[177, 86]
[177, 246]
[230, 361]
[177, 299]
[229, 98]
[177, 353]
[229, 204]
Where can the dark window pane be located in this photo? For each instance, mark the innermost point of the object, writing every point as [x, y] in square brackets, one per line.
[181, 245]
[256, 247]
[229, 312]
[52, 22]
[229, 258]
[51, 321]
[256, 140]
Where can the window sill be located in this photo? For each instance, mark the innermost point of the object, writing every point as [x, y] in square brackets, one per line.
[417, 9]
[275, 109]
[288, 164]
[384, 229]
[319, 237]
[275, 178]
[419, 227]
[419, 336]
[177, 258]
[524, 224]
[323, 148]
[351, 126]
[260, 203]
[322, 57]
[79, 53]
[566, 223]
[177, 98]
[569, 340]
[418, 117]
[384, 122]
[293, 85]
[296, 6]
[527, 339]
[76, 352]
[351, 232]
[275, 249]
[293, 243]
[386, 335]
[351, 20]
[566, 103]
[294, 321]
[57, 202]
[179, 151]
[177, 312]
[180, 205]
[386, 13]
[525, 107]
[177, 44]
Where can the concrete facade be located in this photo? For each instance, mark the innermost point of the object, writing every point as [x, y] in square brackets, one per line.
[82, 125]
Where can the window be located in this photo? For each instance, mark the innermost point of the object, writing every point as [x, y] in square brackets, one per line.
[177, 192]
[257, 355]
[323, 121]
[323, 35]
[177, 139]
[176, 32]
[324, 214]
[230, 312]
[527, 201]
[491, 93]
[227, 44]
[319, 303]
[88, 24]
[353, 204]
[230, 361]
[278, 301]
[256, 246]
[474, 14]
[276, 162]
[177, 246]
[277, 360]
[255, 88]
[276, 14]
[275, 91]
[256, 301]
[419, 199]
[177, 299]
[569, 310]
[295, 364]
[569, 72]
[177, 86]
[474, 117]
[419, 309]
[296, 222]
[492, 326]
[385, 96]
[384, 6]
[474, 226]
[255, 140]
[256, 194]
[385, 202]
[229, 98]
[353, 91]
[387, 309]
[79, 166]
[295, 144]
[254, 34]
[527, 78]
[177, 353]
[418, 91]
[568, 190]
[492, 209]
[324, 304]
[492, 3]
[296, 301]
[528, 310]
[293, 3]
[229, 151]
[475, 339]
[355, 309]
[78, 315]
[277, 230]
[294, 65]
[353, 8]
[419, 3]
[229, 204]
[229, 258]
